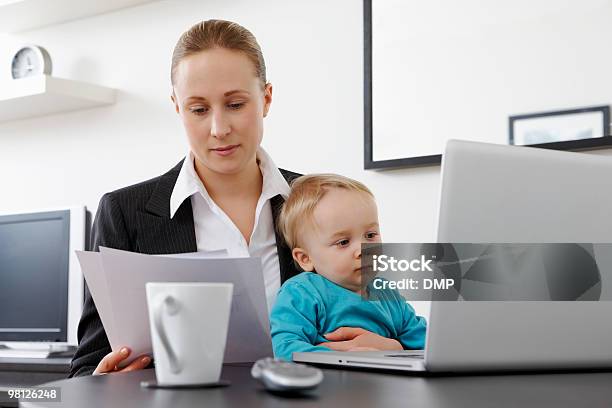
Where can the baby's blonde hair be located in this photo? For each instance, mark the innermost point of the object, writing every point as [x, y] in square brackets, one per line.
[306, 193]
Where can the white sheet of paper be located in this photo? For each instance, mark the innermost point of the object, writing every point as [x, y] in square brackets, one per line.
[217, 253]
[127, 273]
[91, 265]
[93, 270]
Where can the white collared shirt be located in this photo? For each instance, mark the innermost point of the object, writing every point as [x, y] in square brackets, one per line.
[214, 230]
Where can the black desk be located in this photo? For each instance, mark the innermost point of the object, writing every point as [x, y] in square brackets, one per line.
[27, 372]
[348, 389]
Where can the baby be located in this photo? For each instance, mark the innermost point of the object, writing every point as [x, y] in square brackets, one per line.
[325, 220]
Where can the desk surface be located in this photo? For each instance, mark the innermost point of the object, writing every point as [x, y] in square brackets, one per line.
[348, 388]
[28, 372]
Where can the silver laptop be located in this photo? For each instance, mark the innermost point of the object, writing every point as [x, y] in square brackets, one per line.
[497, 193]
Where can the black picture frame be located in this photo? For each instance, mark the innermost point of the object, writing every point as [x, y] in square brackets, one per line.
[418, 161]
[603, 109]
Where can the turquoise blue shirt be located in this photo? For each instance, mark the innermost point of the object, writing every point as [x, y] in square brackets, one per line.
[309, 306]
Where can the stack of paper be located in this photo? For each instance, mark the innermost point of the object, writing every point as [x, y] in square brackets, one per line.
[116, 281]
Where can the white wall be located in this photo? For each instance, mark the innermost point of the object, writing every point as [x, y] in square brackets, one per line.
[314, 53]
[445, 68]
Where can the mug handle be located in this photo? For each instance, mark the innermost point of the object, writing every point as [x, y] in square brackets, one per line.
[173, 306]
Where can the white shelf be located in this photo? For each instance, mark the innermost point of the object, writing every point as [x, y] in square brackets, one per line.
[45, 95]
[21, 15]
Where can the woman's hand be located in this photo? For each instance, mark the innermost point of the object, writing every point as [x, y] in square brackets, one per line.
[110, 362]
[358, 339]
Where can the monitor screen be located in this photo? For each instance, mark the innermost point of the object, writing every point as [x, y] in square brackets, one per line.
[34, 276]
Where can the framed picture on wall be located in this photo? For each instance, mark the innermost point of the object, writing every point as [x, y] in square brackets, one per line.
[445, 69]
[559, 126]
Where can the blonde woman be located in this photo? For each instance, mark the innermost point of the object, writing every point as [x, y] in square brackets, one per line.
[227, 191]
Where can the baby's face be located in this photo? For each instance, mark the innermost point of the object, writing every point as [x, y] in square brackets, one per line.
[331, 244]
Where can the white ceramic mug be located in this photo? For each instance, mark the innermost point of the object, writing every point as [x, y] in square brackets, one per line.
[189, 322]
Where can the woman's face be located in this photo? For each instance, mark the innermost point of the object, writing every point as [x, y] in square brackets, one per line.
[222, 104]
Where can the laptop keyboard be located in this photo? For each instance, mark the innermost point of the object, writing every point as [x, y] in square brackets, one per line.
[419, 356]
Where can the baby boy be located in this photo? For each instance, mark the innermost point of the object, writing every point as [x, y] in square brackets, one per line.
[325, 220]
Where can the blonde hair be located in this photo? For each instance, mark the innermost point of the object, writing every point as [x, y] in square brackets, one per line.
[210, 34]
[306, 193]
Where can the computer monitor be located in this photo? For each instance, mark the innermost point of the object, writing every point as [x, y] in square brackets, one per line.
[41, 285]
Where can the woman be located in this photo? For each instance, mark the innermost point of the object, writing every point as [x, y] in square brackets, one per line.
[225, 194]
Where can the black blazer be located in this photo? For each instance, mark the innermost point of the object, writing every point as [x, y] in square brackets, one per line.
[137, 219]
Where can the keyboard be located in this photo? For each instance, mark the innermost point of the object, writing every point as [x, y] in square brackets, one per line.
[9, 353]
[418, 354]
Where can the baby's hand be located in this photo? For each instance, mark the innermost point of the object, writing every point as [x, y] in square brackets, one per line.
[350, 338]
